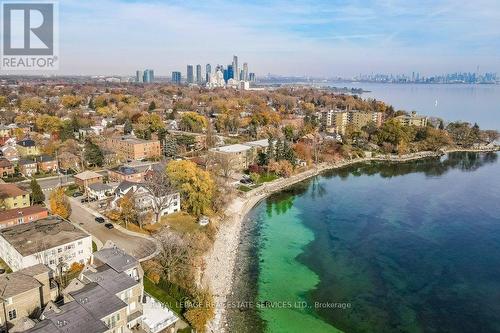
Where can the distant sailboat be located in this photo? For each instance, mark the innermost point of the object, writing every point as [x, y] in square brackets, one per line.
[436, 103]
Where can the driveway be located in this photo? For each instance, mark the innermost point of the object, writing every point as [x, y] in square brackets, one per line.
[136, 246]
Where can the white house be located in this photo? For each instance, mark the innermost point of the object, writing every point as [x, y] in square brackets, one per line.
[100, 191]
[143, 199]
[51, 241]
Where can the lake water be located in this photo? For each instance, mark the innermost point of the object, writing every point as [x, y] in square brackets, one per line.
[411, 247]
[471, 103]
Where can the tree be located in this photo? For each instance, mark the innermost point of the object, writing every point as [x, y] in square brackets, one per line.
[161, 190]
[127, 127]
[170, 148]
[202, 311]
[152, 106]
[128, 212]
[59, 203]
[48, 124]
[32, 104]
[93, 154]
[195, 185]
[393, 132]
[37, 195]
[71, 101]
[193, 122]
[223, 164]
[173, 255]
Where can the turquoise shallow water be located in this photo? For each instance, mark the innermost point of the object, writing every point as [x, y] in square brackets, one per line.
[409, 247]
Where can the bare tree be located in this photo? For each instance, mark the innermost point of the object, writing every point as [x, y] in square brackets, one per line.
[161, 190]
[173, 256]
[223, 164]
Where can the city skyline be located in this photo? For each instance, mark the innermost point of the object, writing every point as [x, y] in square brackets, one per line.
[303, 38]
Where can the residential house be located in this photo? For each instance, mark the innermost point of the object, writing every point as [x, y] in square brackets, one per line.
[85, 178]
[14, 197]
[100, 191]
[4, 134]
[128, 173]
[132, 148]
[10, 153]
[143, 199]
[27, 147]
[11, 217]
[24, 293]
[6, 167]
[27, 167]
[52, 241]
[47, 163]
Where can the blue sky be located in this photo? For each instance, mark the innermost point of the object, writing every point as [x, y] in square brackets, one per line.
[325, 38]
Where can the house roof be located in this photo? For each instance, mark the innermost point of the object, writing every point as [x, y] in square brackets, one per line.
[11, 190]
[17, 212]
[15, 283]
[116, 258]
[4, 163]
[100, 187]
[71, 317]
[236, 148]
[34, 237]
[45, 158]
[97, 301]
[86, 175]
[109, 279]
[26, 143]
[26, 162]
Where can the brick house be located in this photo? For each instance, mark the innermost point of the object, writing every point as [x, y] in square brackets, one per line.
[46, 163]
[27, 167]
[11, 217]
[84, 179]
[6, 167]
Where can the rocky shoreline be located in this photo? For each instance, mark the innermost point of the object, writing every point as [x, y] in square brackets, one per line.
[220, 261]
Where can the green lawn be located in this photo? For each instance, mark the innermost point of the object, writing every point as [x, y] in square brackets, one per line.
[162, 296]
[181, 222]
[266, 177]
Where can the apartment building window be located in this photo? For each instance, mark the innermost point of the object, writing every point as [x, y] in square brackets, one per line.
[12, 314]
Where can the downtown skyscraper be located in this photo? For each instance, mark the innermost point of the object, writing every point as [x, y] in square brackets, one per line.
[199, 78]
[176, 77]
[190, 74]
[208, 72]
[236, 71]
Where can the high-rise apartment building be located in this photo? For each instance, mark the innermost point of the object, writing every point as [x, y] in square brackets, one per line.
[176, 77]
[251, 77]
[190, 74]
[138, 76]
[208, 72]
[235, 68]
[245, 72]
[199, 79]
[148, 76]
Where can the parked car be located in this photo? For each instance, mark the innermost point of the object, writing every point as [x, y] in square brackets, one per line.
[246, 181]
[99, 219]
[84, 200]
[77, 194]
[109, 225]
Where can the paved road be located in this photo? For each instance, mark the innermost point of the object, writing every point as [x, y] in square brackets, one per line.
[137, 246]
[53, 182]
